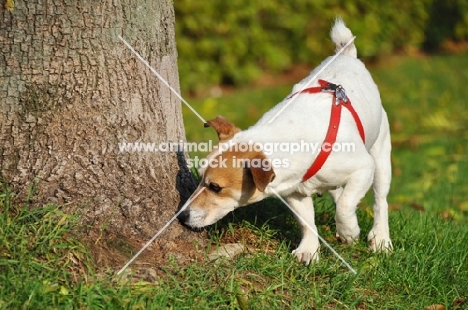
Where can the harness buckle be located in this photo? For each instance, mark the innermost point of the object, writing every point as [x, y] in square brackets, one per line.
[340, 94]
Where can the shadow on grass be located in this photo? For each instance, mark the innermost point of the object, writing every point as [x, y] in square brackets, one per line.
[272, 217]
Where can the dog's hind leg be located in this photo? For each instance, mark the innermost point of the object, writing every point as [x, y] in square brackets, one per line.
[359, 182]
[336, 193]
[308, 249]
[379, 236]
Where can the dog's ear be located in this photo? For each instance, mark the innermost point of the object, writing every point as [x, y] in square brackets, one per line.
[223, 127]
[262, 174]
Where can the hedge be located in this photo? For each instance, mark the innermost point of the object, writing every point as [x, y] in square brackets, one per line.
[234, 41]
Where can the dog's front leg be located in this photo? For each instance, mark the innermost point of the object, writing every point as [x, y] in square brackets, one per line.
[308, 249]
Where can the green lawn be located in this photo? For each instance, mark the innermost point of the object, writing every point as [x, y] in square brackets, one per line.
[42, 265]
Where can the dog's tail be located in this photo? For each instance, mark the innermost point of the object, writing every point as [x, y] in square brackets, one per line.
[341, 35]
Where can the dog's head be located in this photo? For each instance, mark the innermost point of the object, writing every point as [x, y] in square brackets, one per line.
[231, 179]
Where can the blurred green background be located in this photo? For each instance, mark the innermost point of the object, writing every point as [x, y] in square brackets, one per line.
[235, 42]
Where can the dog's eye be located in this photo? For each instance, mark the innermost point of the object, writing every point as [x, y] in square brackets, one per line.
[214, 187]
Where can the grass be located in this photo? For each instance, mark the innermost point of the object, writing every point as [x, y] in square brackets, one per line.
[43, 265]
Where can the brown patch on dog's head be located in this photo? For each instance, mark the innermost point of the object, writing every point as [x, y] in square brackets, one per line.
[246, 172]
[225, 129]
[262, 175]
[232, 179]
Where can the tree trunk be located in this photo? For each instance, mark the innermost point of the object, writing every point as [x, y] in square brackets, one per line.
[71, 91]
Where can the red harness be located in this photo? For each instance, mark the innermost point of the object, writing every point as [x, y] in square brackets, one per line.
[339, 99]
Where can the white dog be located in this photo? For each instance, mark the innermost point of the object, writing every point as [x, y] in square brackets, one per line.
[307, 144]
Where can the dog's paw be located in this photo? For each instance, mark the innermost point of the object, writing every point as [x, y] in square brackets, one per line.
[347, 227]
[308, 250]
[306, 257]
[347, 234]
[379, 241]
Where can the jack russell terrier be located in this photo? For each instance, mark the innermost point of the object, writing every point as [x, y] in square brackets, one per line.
[304, 145]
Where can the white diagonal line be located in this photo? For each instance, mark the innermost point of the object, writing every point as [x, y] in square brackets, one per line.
[310, 81]
[160, 231]
[313, 230]
[162, 79]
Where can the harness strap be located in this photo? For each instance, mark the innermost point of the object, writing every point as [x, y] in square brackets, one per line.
[339, 99]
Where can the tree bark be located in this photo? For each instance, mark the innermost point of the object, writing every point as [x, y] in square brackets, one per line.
[71, 91]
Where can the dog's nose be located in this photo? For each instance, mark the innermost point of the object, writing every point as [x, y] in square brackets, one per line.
[183, 216]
